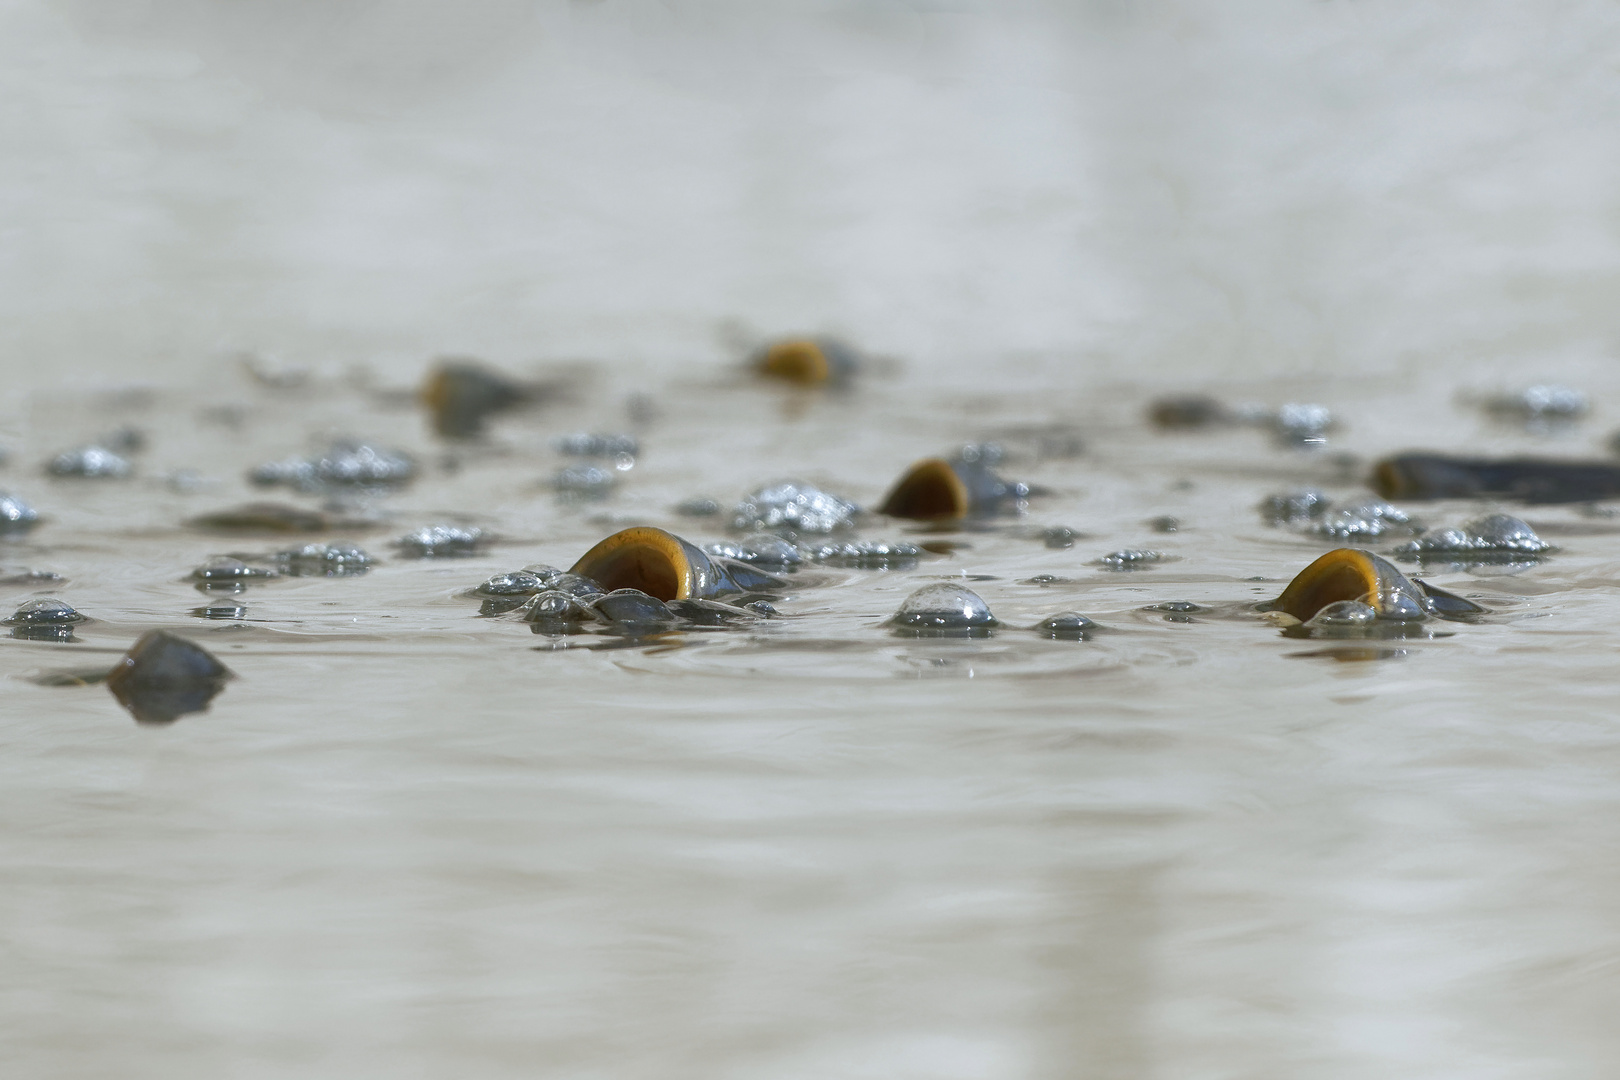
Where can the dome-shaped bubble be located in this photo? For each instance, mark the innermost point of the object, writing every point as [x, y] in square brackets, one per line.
[575, 585]
[792, 505]
[1302, 424]
[94, 462]
[1488, 539]
[16, 515]
[1506, 532]
[767, 548]
[226, 568]
[344, 552]
[1130, 559]
[1447, 539]
[945, 606]
[554, 607]
[591, 444]
[346, 463]
[517, 583]
[1399, 604]
[760, 548]
[586, 481]
[339, 559]
[866, 554]
[433, 541]
[45, 610]
[1066, 624]
[632, 608]
[1378, 508]
[1177, 611]
[1293, 507]
[1367, 518]
[1344, 614]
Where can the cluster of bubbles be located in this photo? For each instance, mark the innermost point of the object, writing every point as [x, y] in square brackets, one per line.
[1131, 559]
[1301, 425]
[1362, 520]
[346, 464]
[793, 506]
[1497, 539]
[1541, 408]
[607, 458]
[558, 602]
[949, 609]
[436, 541]
[766, 549]
[781, 526]
[1492, 537]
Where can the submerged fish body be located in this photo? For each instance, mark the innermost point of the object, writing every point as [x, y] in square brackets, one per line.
[460, 396]
[631, 611]
[1189, 412]
[164, 676]
[1527, 479]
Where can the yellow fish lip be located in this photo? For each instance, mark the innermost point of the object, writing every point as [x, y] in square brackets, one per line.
[656, 562]
[798, 360]
[1348, 574]
[929, 491]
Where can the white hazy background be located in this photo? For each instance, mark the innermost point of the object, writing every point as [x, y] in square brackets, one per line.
[1121, 188]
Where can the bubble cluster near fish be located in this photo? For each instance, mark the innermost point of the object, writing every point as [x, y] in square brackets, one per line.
[672, 566]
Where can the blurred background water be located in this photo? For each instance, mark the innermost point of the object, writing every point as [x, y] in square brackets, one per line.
[1154, 188]
[406, 844]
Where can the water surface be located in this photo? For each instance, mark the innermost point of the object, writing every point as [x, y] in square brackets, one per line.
[410, 840]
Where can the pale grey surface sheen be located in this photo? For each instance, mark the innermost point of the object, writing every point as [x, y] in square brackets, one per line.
[410, 842]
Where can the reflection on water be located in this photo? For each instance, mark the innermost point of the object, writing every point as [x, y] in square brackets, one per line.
[1350, 654]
